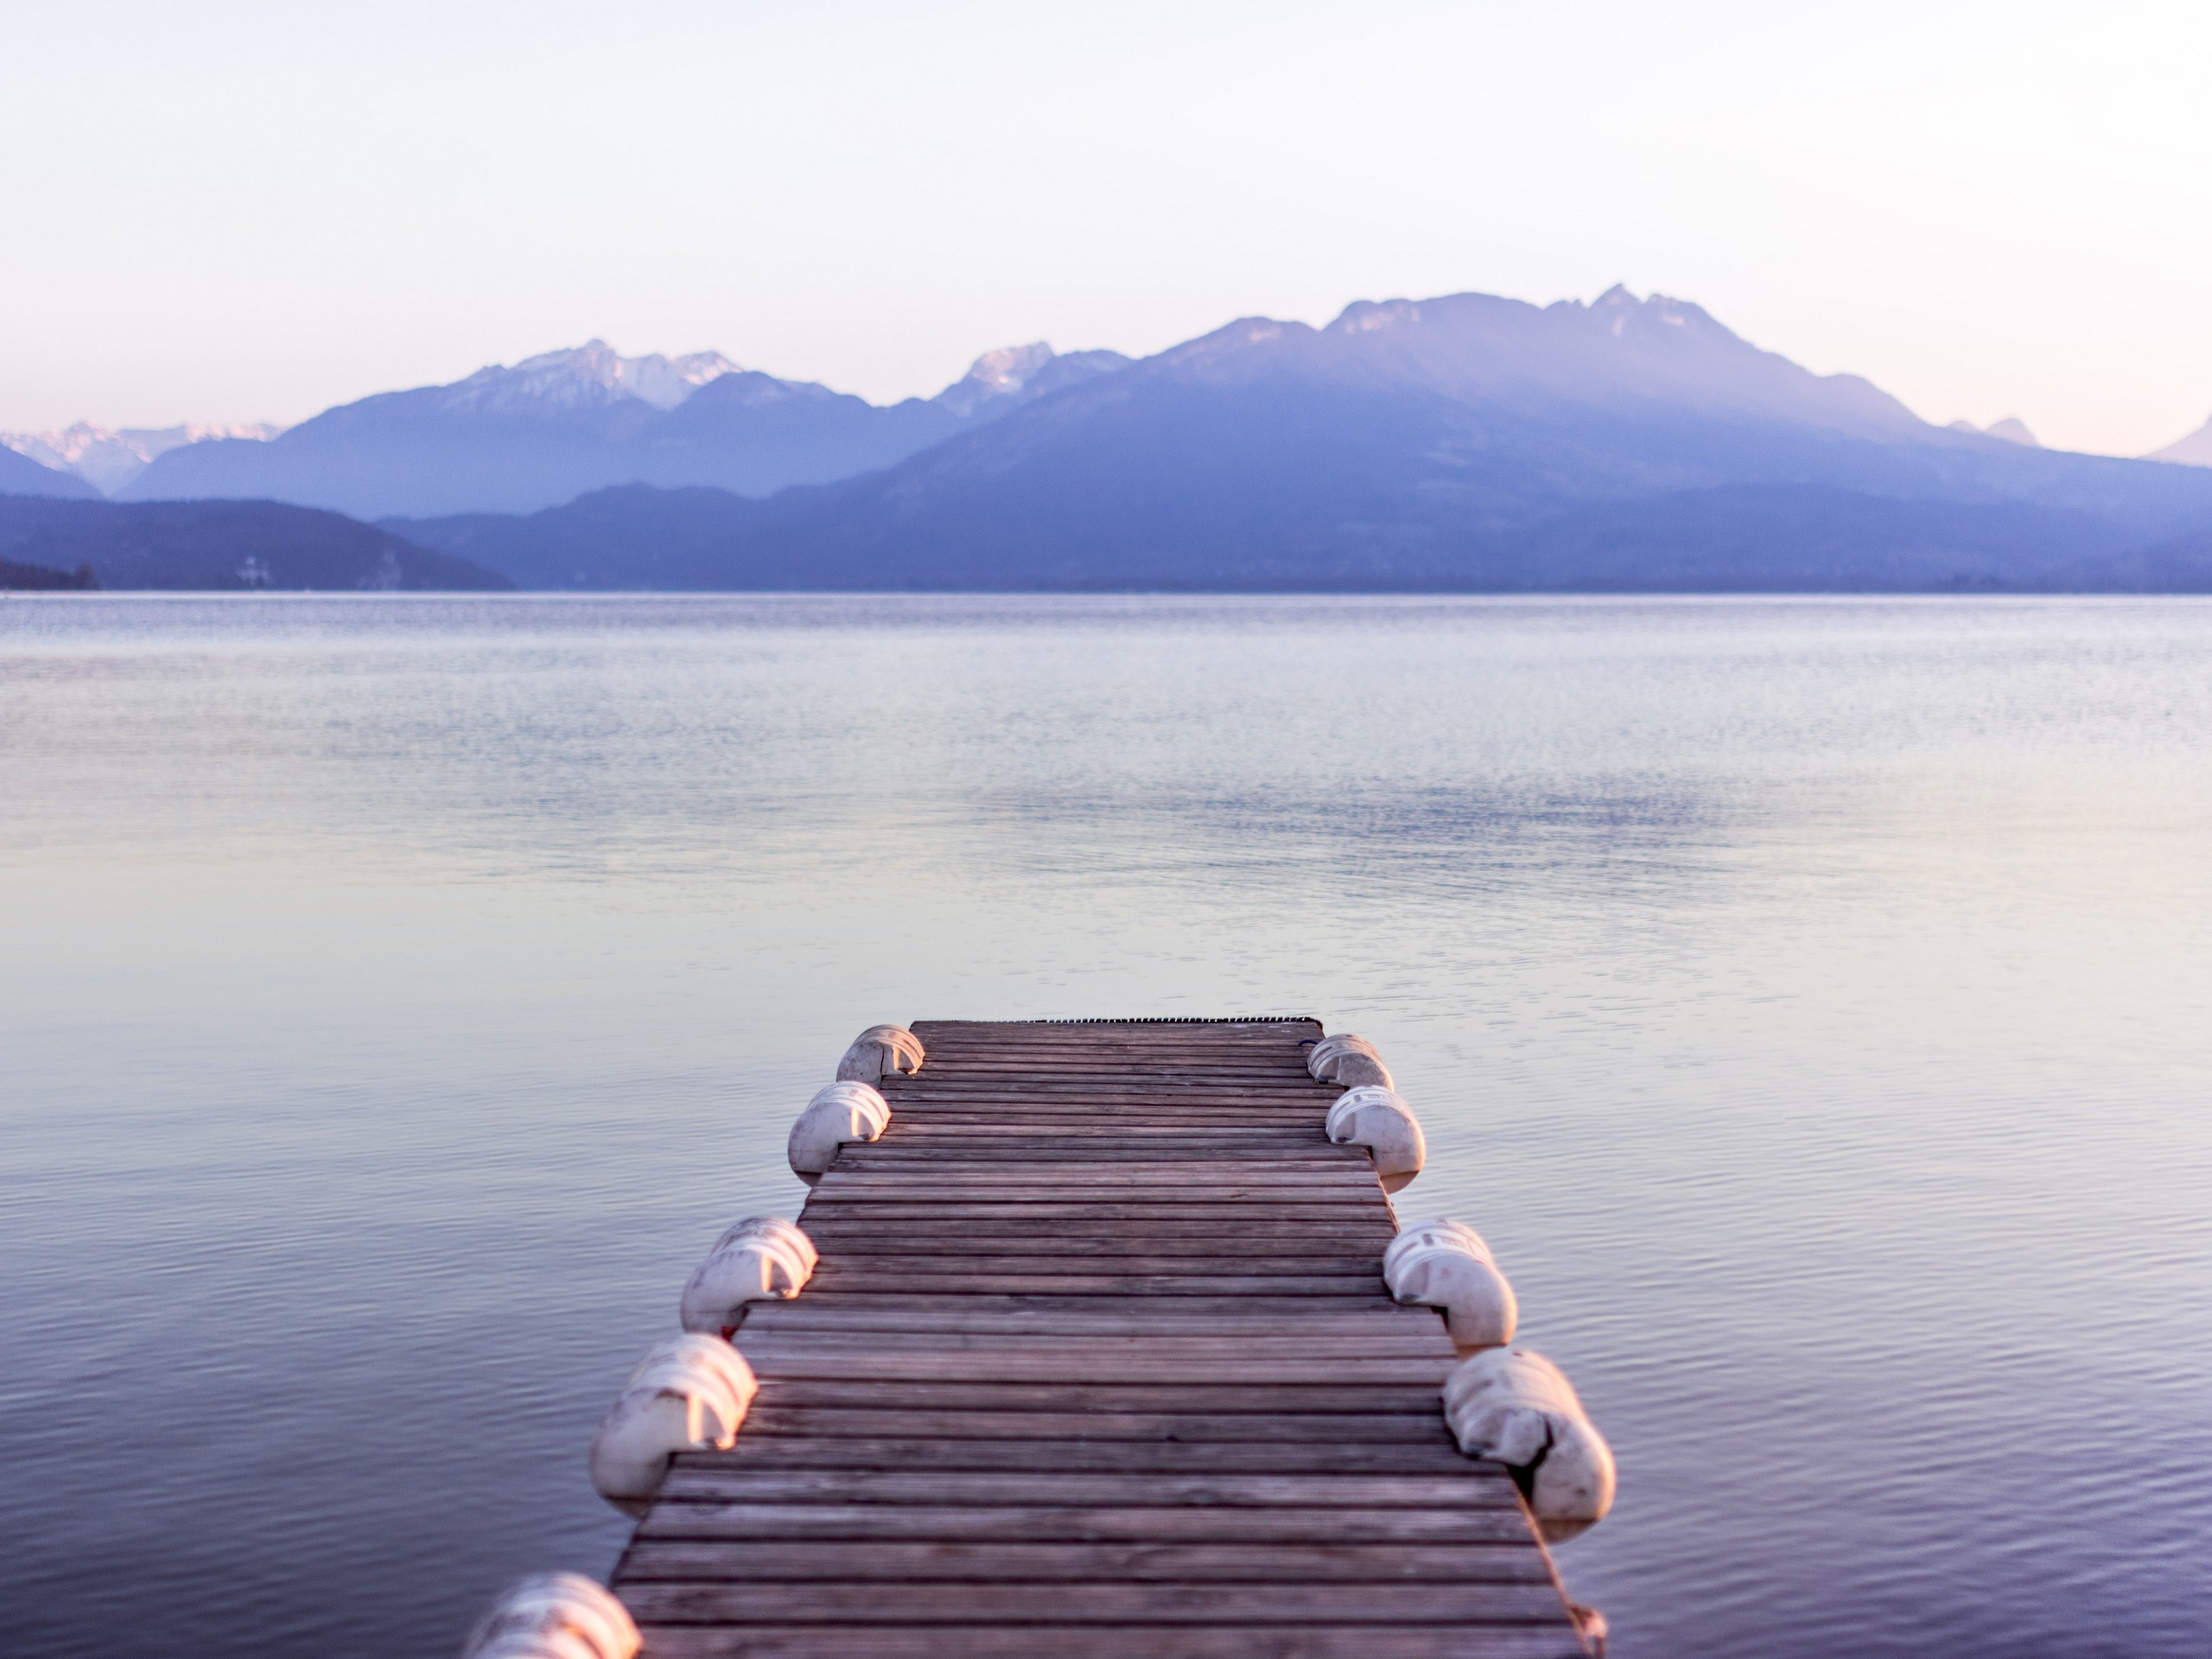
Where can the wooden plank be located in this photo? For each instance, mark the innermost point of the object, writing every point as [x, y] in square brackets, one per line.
[1243, 1225]
[1105, 1129]
[922, 1140]
[1114, 1319]
[853, 1323]
[1226, 1092]
[1165, 1104]
[1180, 1311]
[857, 1279]
[1138, 1604]
[898, 1169]
[1162, 1103]
[994, 1131]
[1002, 1036]
[1038, 1641]
[1303, 1193]
[1262, 1049]
[1326, 1429]
[1151, 1183]
[1113, 1114]
[1078, 1456]
[1360, 1264]
[982, 1314]
[1049, 1078]
[922, 1520]
[1262, 1052]
[695, 1476]
[1197, 1207]
[1418, 1400]
[1134, 1361]
[794, 1359]
[1223, 1314]
[1356, 1333]
[1427, 1342]
[1101, 1123]
[1349, 1254]
[889, 1562]
[1025, 1087]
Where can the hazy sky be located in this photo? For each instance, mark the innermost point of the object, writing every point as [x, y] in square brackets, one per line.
[244, 211]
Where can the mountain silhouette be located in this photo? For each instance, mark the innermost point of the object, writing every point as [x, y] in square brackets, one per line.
[21, 475]
[2195, 450]
[553, 427]
[1467, 443]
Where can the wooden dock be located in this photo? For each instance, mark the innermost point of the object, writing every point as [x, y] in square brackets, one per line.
[1098, 1361]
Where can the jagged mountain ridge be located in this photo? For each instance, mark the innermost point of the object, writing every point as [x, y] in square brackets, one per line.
[1616, 350]
[552, 427]
[108, 458]
[591, 376]
[1466, 443]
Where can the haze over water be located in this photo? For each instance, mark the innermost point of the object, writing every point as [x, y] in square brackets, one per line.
[1808, 999]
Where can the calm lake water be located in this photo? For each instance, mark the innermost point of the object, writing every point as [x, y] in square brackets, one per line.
[1811, 1000]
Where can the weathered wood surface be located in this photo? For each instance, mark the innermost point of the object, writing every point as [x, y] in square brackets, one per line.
[1098, 1361]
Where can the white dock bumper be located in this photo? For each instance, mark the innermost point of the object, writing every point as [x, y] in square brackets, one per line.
[839, 1114]
[1373, 1117]
[881, 1052]
[554, 1616]
[688, 1394]
[1347, 1059]
[1446, 1265]
[1515, 1406]
[762, 1258]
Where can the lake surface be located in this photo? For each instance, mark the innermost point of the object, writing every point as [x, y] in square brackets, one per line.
[1811, 1000]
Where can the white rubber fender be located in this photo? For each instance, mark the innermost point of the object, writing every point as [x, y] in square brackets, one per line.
[881, 1052]
[554, 1616]
[1357, 1069]
[688, 1394]
[762, 1258]
[1321, 1054]
[838, 1114]
[1446, 1264]
[1347, 1059]
[1515, 1406]
[1372, 1116]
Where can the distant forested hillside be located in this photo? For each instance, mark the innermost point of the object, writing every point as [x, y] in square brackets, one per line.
[223, 544]
[37, 578]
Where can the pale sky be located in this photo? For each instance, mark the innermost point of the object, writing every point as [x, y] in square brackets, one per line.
[235, 211]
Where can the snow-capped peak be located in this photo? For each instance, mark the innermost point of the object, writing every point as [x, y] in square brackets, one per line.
[585, 375]
[109, 457]
[1012, 374]
[1008, 368]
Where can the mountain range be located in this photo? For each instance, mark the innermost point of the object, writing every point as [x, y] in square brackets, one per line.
[20, 474]
[1465, 442]
[110, 460]
[550, 427]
